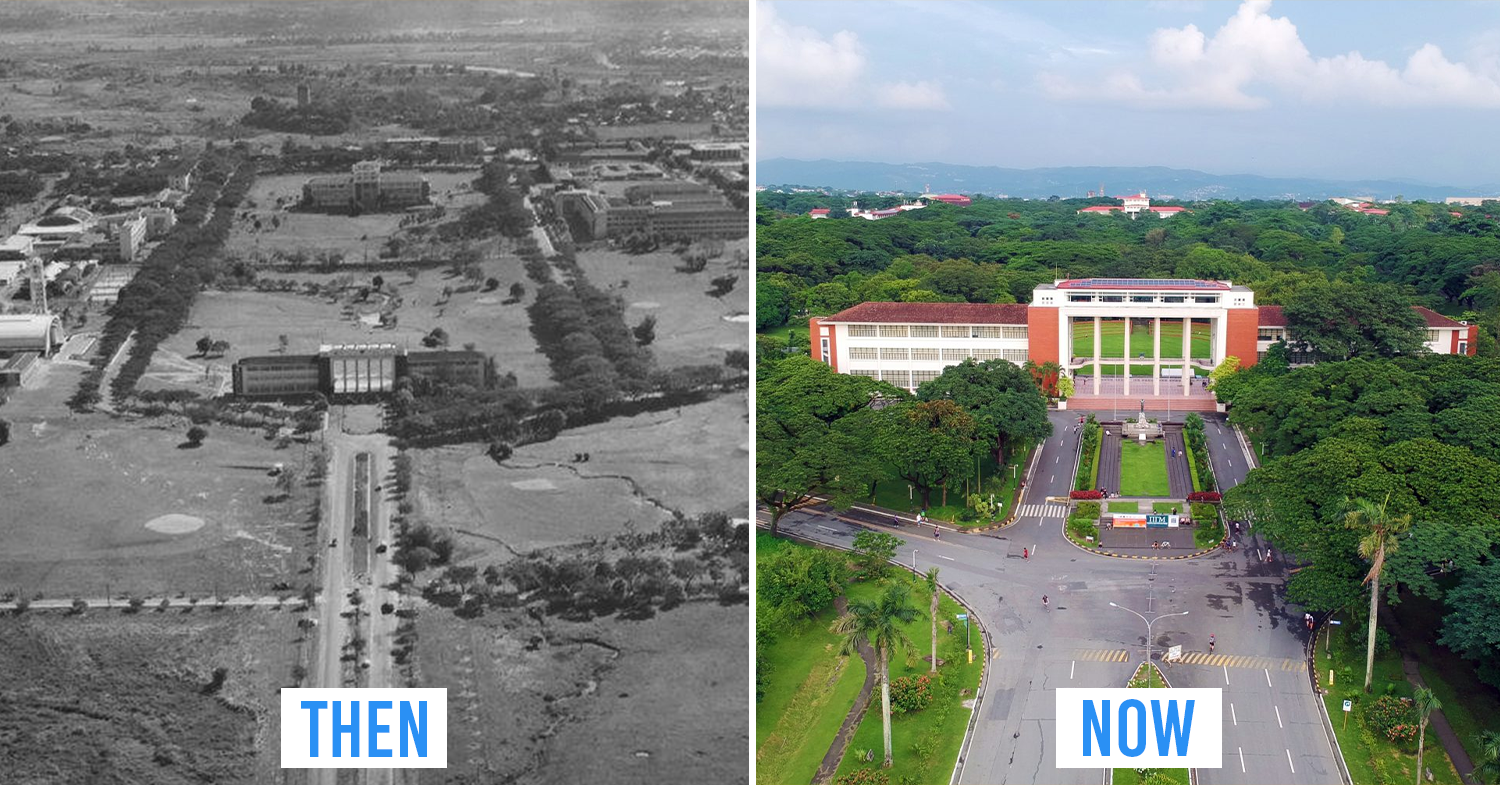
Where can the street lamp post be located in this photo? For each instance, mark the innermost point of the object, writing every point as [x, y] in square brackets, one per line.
[1148, 622]
[914, 560]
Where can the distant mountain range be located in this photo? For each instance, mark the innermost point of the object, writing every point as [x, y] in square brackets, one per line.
[1076, 181]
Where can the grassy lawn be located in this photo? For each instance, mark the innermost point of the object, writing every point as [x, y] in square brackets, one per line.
[1467, 701]
[785, 331]
[1112, 340]
[892, 492]
[924, 744]
[1117, 369]
[1369, 756]
[1125, 507]
[808, 690]
[1147, 676]
[1165, 508]
[1143, 469]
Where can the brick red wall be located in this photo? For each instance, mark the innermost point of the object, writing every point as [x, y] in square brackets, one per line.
[1241, 332]
[814, 333]
[1473, 337]
[1041, 335]
[1453, 344]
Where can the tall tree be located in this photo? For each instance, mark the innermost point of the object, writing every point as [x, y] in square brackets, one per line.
[932, 586]
[1487, 762]
[880, 623]
[1343, 319]
[927, 443]
[1003, 398]
[1380, 528]
[1427, 703]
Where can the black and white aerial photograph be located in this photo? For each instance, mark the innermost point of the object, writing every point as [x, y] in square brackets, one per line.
[374, 343]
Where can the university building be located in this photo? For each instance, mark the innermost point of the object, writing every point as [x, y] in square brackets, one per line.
[1087, 326]
[349, 369]
[366, 187]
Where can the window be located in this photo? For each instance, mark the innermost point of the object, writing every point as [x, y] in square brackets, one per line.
[1015, 355]
[924, 331]
[1269, 334]
[1432, 335]
[1463, 347]
[917, 377]
[864, 353]
[1142, 298]
[1173, 298]
[892, 331]
[893, 354]
[986, 354]
[861, 331]
[1112, 298]
[1014, 333]
[1206, 298]
[955, 332]
[825, 352]
[985, 332]
[955, 355]
[1080, 298]
[925, 354]
[864, 372]
[898, 378]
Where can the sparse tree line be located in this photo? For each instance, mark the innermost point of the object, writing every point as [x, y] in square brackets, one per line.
[630, 574]
[156, 303]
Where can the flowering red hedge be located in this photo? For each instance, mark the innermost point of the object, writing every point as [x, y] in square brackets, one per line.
[1088, 494]
[1205, 496]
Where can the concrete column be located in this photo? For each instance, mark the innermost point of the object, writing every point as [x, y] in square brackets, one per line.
[1187, 353]
[1156, 357]
[1098, 351]
[1128, 322]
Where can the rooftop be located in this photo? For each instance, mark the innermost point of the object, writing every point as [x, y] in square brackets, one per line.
[1272, 316]
[1184, 284]
[933, 313]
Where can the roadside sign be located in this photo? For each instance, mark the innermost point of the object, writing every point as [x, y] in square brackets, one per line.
[1174, 654]
[1348, 705]
[961, 616]
[1335, 621]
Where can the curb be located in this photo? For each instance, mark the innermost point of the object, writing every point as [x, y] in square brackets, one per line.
[1311, 650]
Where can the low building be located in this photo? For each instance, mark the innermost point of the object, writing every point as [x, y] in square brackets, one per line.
[672, 208]
[1471, 201]
[39, 333]
[1134, 205]
[366, 187]
[957, 200]
[717, 151]
[17, 248]
[18, 369]
[351, 369]
[56, 228]
[818, 212]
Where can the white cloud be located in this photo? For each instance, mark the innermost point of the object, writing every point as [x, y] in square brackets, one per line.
[799, 67]
[1255, 52]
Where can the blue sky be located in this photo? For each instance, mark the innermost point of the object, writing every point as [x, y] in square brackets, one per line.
[1343, 90]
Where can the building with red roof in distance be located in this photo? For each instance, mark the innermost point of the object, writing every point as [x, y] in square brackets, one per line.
[818, 212]
[957, 200]
[1134, 205]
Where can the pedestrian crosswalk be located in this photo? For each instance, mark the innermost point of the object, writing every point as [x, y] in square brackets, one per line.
[1044, 510]
[1230, 661]
[1101, 655]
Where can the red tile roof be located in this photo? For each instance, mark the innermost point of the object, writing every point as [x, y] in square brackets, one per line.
[932, 313]
[819, 211]
[1435, 319]
[1271, 316]
[954, 199]
[1168, 209]
[1099, 208]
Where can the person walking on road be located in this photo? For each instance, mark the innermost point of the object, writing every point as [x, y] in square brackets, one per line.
[1210, 644]
[1044, 602]
[936, 532]
[1025, 554]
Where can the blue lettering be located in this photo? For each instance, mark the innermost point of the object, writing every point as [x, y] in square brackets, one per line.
[340, 729]
[417, 727]
[1100, 726]
[1180, 730]
[1140, 735]
[376, 729]
[312, 725]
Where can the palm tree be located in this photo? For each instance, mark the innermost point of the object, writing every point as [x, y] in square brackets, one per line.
[1381, 530]
[932, 586]
[1487, 770]
[1427, 703]
[879, 622]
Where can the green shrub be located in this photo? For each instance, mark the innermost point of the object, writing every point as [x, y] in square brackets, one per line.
[1088, 510]
[863, 777]
[910, 693]
[1081, 528]
[1394, 718]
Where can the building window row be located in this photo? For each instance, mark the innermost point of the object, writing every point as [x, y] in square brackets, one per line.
[1169, 299]
[1009, 332]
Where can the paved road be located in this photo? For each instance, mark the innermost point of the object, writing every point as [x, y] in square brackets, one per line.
[1082, 642]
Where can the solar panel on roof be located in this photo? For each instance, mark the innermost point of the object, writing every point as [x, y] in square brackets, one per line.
[1143, 283]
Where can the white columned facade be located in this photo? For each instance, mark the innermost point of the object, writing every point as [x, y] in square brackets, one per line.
[1126, 352]
[1098, 351]
[1187, 354]
[1156, 357]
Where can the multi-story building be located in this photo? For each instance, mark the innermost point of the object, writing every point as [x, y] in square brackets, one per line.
[348, 369]
[674, 208]
[366, 187]
[1085, 325]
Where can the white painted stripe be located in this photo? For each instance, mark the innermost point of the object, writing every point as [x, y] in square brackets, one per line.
[949, 558]
[1278, 717]
[1226, 674]
[1242, 759]
[1233, 716]
[1268, 681]
[1072, 668]
[826, 529]
[1289, 761]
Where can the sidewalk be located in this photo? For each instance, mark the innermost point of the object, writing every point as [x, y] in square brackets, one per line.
[1439, 724]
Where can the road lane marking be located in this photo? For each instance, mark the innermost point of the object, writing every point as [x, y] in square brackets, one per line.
[1242, 759]
[1051, 479]
[1072, 668]
[1289, 761]
[1232, 715]
[1268, 677]
[1226, 674]
[1278, 717]
[941, 556]
[826, 529]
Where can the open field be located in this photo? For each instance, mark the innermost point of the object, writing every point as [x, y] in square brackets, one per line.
[1112, 340]
[894, 493]
[1143, 469]
[136, 688]
[807, 693]
[251, 321]
[313, 232]
[80, 491]
[691, 327]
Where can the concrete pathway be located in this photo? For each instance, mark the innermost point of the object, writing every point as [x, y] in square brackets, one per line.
[1439, 724]
[1109, 459]
[830, 764]
[1179, 476]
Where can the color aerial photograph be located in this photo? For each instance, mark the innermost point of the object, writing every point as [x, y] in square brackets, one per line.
[1126, 344]
[374, 344]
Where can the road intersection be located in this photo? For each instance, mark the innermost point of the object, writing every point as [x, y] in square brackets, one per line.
[1273, 729]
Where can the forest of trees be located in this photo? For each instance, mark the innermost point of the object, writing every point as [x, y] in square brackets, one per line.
[999, 250]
